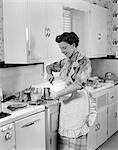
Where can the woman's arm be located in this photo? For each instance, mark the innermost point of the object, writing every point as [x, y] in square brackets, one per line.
[69, 89]
[55, 67]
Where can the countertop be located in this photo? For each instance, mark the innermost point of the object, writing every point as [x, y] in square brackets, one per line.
[101, 87]
[33, 109]
[20, 113]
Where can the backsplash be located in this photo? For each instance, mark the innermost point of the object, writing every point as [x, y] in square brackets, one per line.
[15, 79]
[101, 66]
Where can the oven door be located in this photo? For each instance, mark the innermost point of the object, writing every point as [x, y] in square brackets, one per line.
[30, 132]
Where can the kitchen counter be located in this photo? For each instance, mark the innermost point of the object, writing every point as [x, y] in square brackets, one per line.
[20, 113]
[32, 109]
[100, 87]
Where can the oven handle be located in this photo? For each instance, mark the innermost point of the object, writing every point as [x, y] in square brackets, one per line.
[30, 124]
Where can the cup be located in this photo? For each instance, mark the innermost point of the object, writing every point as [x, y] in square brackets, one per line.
[36, 94]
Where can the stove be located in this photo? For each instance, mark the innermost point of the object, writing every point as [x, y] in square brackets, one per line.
[4, 114]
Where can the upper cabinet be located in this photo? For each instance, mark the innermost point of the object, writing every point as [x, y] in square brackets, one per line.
[31, 26]
[30, 29]
[97, 32]
[89, 21]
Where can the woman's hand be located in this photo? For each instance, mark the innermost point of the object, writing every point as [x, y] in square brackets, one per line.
[50, 78]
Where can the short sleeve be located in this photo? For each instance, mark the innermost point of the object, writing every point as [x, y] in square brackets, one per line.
[83, 71]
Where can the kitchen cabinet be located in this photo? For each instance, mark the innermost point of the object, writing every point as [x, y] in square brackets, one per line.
[98, 132]
[89, 21]
[112, 111]
[101, 127]
[30, 28]
[30, 132]
[97, 32]
[52, 117]
[112, 119]
[7, 137]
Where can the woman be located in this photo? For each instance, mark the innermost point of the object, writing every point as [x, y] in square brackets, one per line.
[78, 112]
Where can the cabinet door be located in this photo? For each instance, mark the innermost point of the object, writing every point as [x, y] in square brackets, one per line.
[55, 27]
[15, 30]
[101, 126]
[117, 115]
[112, 95]
[112, 119]
[37, 29]
[92, 135]
[52, 117]
[98, 32]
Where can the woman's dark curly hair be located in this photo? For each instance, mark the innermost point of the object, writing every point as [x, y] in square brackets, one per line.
[68, 37]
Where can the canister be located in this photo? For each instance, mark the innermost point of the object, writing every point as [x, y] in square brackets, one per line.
[46, 93]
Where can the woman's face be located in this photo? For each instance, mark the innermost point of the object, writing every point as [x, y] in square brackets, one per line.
[67, 49]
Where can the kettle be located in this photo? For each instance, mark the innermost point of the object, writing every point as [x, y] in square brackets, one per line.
[109, 76]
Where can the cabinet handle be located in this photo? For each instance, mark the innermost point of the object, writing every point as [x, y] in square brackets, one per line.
[99, 36]
[45, 31]
[50, 140]
[27, 41]
[49, 32]
[112, 97]
[30, 124]
[96, 128]
[115, 115]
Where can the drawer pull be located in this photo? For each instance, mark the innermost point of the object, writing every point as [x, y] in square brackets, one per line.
[115, 115]
[112, 97]
[30, 124]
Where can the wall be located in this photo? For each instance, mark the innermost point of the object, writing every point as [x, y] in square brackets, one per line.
[101, 66]
[18, 78]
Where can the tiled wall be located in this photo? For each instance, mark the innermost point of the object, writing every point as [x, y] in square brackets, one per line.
[15, 79]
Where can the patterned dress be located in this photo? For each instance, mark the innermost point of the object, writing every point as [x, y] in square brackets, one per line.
[77, 113]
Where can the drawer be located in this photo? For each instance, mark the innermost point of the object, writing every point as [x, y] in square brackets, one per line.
[112, 95]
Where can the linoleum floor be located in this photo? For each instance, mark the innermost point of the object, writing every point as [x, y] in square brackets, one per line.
[111, 143]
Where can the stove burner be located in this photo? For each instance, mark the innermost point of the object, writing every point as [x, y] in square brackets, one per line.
[3, 114]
